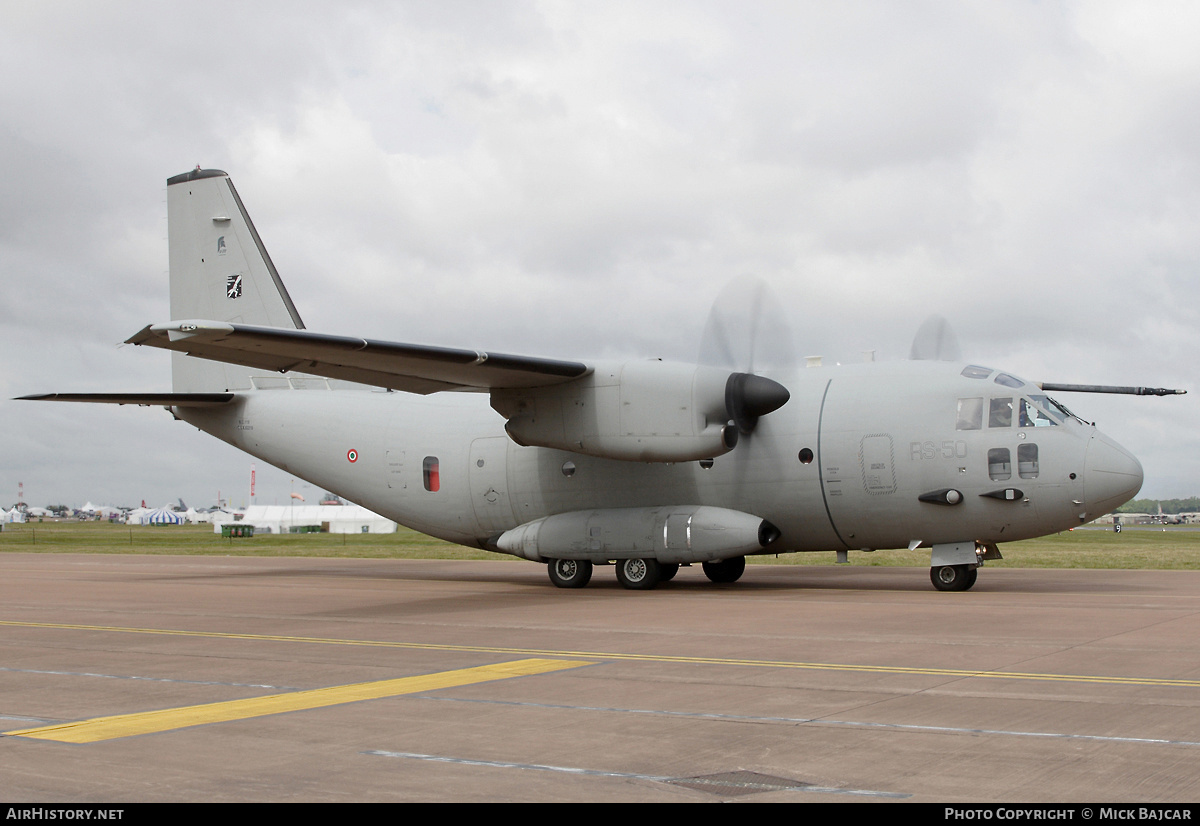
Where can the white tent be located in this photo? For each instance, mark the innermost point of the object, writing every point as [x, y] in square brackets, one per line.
[340, 518]
[106, 511]
[217, 516]
[158, 516]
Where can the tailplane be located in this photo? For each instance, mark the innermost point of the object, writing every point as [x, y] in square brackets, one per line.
[220, 271]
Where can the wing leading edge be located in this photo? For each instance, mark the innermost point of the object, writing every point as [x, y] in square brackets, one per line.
[143, 399]
[413, 368]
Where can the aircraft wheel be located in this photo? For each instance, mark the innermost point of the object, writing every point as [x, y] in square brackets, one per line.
[727, 570]
[972, 575]
[953, 577]
[639, 574]
[668, 569]
[570, 573]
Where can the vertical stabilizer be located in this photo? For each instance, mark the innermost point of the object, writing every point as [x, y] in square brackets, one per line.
[221, 271]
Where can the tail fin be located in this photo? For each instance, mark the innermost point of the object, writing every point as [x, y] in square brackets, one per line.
[220, 271]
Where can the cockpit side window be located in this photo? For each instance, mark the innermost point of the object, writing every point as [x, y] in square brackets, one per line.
[970, 414]
[1034, 416]
[1000, 414]
[1057, 411]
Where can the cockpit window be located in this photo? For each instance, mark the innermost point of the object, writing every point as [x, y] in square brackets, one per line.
[970, 414]
[974, 371]
[1009, 381]
[1034, 416]
[1000, 414]
[1056, 409]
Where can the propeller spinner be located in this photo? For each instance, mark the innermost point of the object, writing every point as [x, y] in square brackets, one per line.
[748, 396]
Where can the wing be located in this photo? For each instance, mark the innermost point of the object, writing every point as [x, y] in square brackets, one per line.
[413, 368]
[144, 399]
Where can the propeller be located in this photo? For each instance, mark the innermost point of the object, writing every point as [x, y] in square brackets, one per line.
[747, 332]
[747, 329]
[935, 341]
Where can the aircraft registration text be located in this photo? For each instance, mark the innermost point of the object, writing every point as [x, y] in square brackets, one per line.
[930, 450]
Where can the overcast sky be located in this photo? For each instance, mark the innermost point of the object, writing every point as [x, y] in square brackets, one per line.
[581, 180]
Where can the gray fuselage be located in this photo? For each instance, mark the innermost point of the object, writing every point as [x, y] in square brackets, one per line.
[840, 467]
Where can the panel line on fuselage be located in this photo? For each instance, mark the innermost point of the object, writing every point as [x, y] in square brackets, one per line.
[821, 465]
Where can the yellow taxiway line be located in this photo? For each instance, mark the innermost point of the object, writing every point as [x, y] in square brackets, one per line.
[615, 656]
[167, 719]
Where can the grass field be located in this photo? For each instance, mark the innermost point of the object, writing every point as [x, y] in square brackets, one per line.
[1148, 547]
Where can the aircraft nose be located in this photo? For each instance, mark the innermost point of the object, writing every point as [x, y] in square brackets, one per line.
[1114, 475]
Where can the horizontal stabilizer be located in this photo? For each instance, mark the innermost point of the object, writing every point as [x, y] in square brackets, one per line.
[413, 368]
[146, 399]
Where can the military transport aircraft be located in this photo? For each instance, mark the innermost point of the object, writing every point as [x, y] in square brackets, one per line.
[648, 465]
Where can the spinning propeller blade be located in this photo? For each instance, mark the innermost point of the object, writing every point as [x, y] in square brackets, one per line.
[935, 341]
[746, 329]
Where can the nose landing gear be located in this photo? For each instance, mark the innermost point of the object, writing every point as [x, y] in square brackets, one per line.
[953, 566]
[953, 577]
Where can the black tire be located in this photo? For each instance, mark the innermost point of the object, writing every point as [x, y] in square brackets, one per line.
[727, 570]
[570, 573]
[953, 577]
[638, 574]
[668, 569]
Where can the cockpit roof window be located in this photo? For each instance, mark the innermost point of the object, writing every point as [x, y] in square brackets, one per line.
[974, 371]
[1006, 380]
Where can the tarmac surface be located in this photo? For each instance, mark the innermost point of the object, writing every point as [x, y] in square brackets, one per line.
[150, 678]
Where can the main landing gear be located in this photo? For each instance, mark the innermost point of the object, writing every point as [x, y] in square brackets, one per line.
[570, 573]
[727, 570]
[953, 577]
[639, 574]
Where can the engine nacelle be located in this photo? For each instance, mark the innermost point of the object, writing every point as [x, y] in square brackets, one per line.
[646, 411]
[678, 533]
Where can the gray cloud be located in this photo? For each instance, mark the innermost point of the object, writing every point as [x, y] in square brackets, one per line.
[571, 181]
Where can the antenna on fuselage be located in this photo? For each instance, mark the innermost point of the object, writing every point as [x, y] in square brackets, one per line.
[1108, 388]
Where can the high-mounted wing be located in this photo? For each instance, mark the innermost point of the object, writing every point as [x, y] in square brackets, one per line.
[413, 368]
[142, 399]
